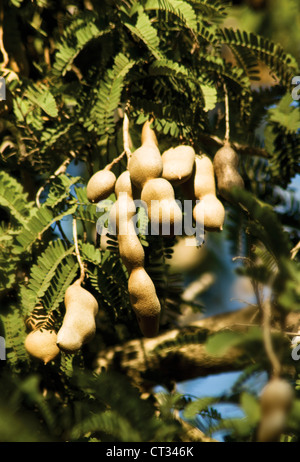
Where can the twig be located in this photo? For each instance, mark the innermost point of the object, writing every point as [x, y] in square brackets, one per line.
[81, 265]
[2, 48]
[267, 339]
[241, 148]
[295, 250]
[227, 129]
[115, 161]
[61, 169]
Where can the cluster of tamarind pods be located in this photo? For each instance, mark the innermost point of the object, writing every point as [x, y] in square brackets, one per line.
[151, 177]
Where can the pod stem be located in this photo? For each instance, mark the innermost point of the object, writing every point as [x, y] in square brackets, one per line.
[227, 126]
[115, 161]
[295, 250]
[81, 265]
[126, 136]
[2, 48]
[61, 169]
[266, 311]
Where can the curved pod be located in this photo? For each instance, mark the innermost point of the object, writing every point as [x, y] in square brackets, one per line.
[130, 248]
[79, 325]
[144, 301]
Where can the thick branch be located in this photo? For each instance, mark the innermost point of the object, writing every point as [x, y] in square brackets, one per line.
[135, 358]
[146, 369]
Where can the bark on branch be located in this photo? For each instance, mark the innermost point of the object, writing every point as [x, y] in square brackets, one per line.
[145, 368]
[137, 360]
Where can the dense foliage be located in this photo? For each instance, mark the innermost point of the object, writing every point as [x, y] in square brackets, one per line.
[71, 72]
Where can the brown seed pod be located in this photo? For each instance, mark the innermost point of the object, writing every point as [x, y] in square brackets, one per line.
[271, 427]
[201, 186]
[79, 324]
[146, 162]
[276, 401]
[120, 213]
[210, 212]
[277, 394]
[144, 301]
[178, 164]
[148, 134]
[41, 344]
[204, 180]
[130, 248]
[163, 210]
[101, 185]
[226, 163]
[125, 185]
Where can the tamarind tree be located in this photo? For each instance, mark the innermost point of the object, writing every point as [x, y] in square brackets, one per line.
[81, 80]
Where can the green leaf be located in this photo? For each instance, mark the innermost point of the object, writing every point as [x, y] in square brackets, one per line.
[39, 223]
[42, 97]
[210, 97]
[43, 272]
[109, 95]
[144, 30]
[221, 342]
[14, 199]
[194, 408]
[251, 407]
[183, 10]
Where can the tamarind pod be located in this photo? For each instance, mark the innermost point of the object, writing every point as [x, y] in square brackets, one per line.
[101, 185]
[146, 162]
[225, 163]
[277, 394]
[125, 185]
[210, 213]
[202, 180]
[159, 197]
[130, 248]
[121, 212]
[275, 402]
[226, 156]
[228, 179]
[148, 134]
[144, 301]
[178, 164]
[79, 324]
[271, 427]
[41, 344]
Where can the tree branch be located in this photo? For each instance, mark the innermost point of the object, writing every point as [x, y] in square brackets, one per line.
[135, 358]
[146, 368]
[215, 141]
